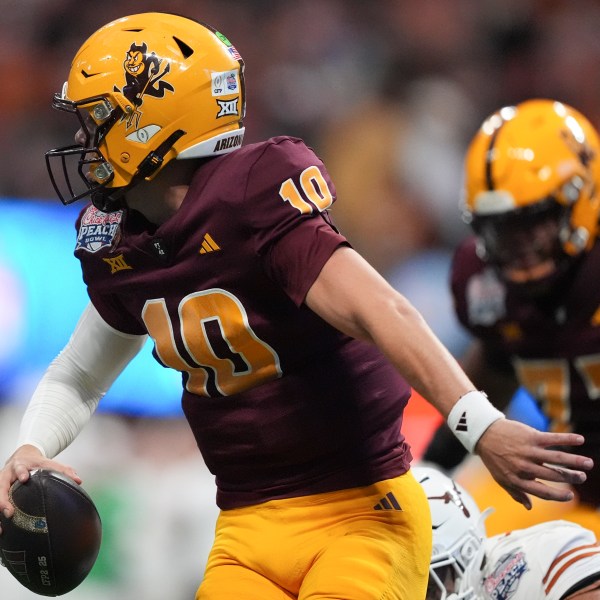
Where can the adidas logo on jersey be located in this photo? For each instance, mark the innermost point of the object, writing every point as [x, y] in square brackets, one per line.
[208, 244]
[388, 502]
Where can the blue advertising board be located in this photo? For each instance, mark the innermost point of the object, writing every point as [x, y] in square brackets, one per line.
[41, 297]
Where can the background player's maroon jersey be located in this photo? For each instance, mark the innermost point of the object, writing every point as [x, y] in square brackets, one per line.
[553, 343]
[281, 404]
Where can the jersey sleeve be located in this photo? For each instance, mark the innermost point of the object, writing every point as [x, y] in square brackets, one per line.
[114, 314]
[288, 197]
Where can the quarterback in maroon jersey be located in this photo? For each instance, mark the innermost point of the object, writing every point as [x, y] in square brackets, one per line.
[229, 319]
[297, 358]
[526, 284]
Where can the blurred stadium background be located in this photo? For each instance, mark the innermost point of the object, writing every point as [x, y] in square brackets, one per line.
[387, 92]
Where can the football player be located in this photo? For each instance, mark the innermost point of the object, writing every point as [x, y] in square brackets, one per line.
[297, 357]
[525, 283]
[556, 560]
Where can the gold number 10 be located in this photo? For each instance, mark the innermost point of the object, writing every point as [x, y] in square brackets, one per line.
[227, 315]
[315, 189]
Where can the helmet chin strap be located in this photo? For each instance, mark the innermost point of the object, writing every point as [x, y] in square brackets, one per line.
[154, 159]
[113, 199]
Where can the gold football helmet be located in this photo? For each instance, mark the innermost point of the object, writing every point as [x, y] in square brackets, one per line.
[147, 89]
[531, 187]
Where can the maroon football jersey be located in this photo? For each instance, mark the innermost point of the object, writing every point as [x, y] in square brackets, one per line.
[281, 403]
[552, 344]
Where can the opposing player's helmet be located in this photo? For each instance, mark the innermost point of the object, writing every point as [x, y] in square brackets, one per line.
[531, 185]
[147, 89]
[458, 532]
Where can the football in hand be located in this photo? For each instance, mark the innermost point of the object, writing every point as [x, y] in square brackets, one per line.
[52, 541]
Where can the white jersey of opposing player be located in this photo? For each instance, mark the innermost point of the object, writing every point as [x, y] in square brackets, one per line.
[541, 562]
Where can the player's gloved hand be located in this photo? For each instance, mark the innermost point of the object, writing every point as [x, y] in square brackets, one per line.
[25, 459]
[519, 456]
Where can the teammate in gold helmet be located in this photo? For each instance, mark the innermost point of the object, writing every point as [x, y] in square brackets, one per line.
[531, 189]
[525, 284]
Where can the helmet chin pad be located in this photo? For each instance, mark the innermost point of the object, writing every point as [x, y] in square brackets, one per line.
[108, 199]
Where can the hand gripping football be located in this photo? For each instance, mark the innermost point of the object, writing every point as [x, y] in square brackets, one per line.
[52, 541]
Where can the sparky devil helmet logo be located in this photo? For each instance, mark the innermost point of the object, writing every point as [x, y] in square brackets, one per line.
[144, 76]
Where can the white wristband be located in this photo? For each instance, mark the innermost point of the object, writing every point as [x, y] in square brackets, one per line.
[471, 416]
